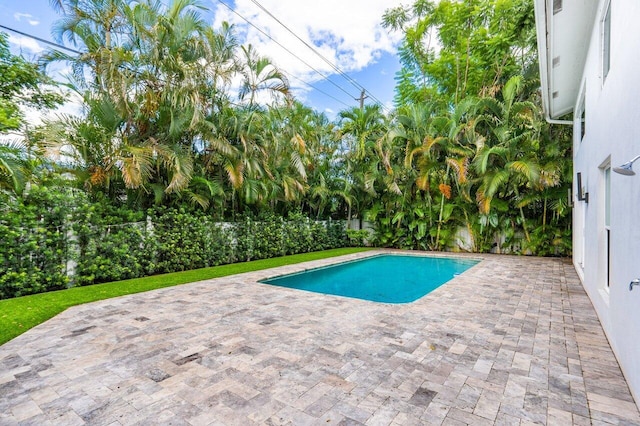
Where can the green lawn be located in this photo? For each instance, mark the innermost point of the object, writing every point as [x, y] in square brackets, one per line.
[22, 313]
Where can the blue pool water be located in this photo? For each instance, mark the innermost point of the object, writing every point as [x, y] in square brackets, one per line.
[384, 278]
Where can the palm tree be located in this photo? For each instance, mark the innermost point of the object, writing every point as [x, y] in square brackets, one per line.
[422, 152]
[96, 28]
[362, 126]
[149, 77]
[507, 164]
[220, 64]
[57, 5]
[13, 167]
[236, 153]
[367, 159]
[259, 74]
[287, 154]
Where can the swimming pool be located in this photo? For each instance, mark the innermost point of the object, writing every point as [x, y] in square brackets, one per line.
[383, 278]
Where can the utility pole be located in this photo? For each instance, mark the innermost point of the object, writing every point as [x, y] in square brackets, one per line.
[362, 98]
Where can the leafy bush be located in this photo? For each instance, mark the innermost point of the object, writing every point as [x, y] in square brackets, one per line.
[244, 230]
[297, 234]
[358, 237]
[268, 237]
[112, 253]
[34, 253]
[110, 243]
[187, 241]
[337, 236]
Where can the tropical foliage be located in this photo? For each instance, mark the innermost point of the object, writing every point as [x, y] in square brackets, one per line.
[184, 126]
[481, 170]
[54, 238]
[22, 84]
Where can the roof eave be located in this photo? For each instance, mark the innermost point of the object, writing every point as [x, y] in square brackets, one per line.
[563, 41]
[542, 35]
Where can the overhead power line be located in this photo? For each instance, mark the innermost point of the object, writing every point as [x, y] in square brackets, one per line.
[313, 49]
[77, 52]
[316, 89]
[41, 40]
[321, 56]
[285, 48]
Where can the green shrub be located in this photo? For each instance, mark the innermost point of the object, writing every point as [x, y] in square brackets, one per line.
[244, 230]
[34, 249]
[112, 253]
[358, 238]
[297, 234]
[337, 233]
[218, 245]
[180, 239]
[109, 243]
[268, 237]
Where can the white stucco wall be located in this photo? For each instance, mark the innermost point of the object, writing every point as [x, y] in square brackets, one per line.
[612, 135]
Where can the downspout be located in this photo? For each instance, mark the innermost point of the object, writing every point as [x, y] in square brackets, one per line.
[553, 121]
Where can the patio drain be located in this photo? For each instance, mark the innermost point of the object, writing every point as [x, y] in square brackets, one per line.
[187, 359]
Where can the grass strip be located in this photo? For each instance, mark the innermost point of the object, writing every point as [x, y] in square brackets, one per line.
[22, 313]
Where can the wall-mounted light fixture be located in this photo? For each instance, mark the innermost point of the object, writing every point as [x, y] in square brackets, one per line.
[626, 168]
[582, 195]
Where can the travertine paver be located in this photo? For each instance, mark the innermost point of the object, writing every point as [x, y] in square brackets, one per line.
[514, 340]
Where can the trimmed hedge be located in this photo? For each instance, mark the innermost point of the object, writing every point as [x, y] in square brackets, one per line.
[54, 240]
[34, 245]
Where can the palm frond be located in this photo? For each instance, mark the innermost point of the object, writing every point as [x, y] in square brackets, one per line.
[135, 164]
[235, 173]
[483, 201]
[460, 165]
[529, 169]
[484, 156]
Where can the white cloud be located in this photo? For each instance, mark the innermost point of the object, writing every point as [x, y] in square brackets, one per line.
[346, 32]
[26, 43]
[59, 72]
[72, 106]
[28, 17]
[34, 117]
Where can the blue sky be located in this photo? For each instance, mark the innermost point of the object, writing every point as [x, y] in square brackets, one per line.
[351, 39]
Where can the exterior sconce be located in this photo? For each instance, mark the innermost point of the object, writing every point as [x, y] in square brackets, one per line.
[582, 195]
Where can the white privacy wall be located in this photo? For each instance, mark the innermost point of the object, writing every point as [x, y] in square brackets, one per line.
[612, 137]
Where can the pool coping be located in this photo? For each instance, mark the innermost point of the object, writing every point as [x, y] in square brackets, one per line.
[371, 254]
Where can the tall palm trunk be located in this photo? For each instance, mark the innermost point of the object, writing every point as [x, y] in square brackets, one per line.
[524, 223]
[441, 211]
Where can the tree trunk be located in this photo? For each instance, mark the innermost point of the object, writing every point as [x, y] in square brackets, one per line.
[441, 210]
[524, 223]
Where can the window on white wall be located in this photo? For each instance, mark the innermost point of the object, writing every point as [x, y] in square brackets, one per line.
[607, 196]
[606, 42]
[582, 117]
[607, 220]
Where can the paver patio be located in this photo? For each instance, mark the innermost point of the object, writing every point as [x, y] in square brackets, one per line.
[514, 340]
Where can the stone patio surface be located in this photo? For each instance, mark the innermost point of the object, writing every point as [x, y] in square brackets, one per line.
[512, 341]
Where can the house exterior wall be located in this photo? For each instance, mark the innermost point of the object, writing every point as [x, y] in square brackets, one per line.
[612, 137]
